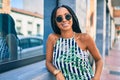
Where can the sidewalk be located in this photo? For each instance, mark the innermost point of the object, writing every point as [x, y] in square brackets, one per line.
[111, 70]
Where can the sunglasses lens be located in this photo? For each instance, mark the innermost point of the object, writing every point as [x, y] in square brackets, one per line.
[68, 16]
[59, 19]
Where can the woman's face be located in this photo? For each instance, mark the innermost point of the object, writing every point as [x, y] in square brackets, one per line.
[63, 19]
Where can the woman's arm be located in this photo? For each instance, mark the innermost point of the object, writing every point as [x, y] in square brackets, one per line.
[91, 46]
[12, 44]
[49, 53]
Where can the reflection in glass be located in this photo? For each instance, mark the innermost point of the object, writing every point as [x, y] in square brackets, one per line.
[29, 28]
[29, 46]
[8, 38]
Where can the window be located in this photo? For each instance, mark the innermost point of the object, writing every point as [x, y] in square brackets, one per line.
[29, 46]
[38, 28]
[30, 28]
[35, 42]
[24, 43]
[30, 23]
[19, 26]
[29, 32]
[18, 30]
[26, 53]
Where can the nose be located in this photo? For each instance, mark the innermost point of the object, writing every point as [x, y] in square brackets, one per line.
[64, 19]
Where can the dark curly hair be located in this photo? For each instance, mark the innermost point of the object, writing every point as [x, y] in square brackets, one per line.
[75, 26]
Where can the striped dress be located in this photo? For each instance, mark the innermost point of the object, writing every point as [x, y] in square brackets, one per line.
[4, 50]
[71, 60]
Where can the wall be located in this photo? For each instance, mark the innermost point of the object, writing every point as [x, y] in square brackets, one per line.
[34, 6]
[25, 19]
[48, 7]
[81, 12]
[100, 26]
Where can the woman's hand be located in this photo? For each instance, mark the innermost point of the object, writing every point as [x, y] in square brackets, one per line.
[60, 76]
[95, 78]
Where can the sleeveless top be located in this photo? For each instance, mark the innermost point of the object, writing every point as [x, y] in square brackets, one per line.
[4, 50]
[71, 60]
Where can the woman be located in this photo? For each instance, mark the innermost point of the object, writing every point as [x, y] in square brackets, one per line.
[8, 38]
[67, 48]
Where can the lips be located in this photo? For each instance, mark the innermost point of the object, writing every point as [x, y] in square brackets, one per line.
[65, 24]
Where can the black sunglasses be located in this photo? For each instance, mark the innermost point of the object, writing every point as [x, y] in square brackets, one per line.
[60, 19]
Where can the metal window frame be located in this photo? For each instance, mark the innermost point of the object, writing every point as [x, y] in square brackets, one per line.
[19, 63]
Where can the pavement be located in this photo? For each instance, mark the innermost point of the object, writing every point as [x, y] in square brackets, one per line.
[29, 72]
[35, 71]
[111, 70]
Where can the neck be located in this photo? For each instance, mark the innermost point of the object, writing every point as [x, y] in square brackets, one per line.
[67, 34]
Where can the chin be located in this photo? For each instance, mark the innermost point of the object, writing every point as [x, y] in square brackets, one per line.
[66, 28]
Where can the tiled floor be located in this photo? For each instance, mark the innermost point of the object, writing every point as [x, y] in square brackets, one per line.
[111, 69]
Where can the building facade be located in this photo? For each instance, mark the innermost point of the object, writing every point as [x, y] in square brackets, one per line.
[27, 23]
[38, 6]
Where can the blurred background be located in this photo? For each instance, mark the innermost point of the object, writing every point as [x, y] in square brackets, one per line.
[99, 18]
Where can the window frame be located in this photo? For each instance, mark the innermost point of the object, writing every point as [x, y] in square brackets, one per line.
[19, 63]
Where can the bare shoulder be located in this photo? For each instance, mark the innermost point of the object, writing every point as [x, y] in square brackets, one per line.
[83, 37]
[86, 39]
[52, 38]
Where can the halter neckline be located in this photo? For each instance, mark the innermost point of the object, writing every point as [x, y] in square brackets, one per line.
[70, 37]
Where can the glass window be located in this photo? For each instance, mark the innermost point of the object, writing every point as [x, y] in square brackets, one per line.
[29, 32]
[24, 43]
[18, 30]
[25, 25]
[38, 28]
[35, 42]
[30, 28]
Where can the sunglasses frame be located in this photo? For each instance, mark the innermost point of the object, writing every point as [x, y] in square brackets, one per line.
[60, 18]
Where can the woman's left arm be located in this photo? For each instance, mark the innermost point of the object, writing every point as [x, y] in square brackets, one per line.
[91, 46]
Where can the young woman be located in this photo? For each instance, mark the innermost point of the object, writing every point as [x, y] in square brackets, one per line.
[8, 38]
[67, 48]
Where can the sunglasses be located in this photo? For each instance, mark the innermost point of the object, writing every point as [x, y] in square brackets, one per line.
[60, 19]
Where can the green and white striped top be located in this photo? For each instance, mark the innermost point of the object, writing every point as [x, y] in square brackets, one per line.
[71, 60]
